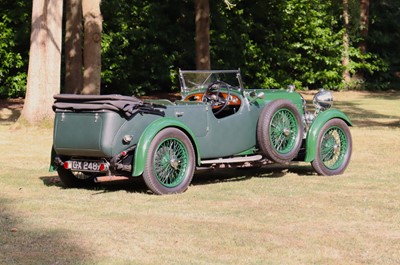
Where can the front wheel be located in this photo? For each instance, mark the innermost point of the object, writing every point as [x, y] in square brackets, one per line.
[334, 147]
[170, 162]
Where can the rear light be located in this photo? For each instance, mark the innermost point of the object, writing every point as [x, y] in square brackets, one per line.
[102, 167]
[67, 165]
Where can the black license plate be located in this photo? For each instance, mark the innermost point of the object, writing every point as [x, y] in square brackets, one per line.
[83, 165]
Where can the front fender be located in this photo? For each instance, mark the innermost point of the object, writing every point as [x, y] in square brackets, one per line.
[148, 135]
[315, 128]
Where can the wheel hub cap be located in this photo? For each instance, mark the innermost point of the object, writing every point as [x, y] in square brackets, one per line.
[286, 132]
[335, 148]
[174, 163]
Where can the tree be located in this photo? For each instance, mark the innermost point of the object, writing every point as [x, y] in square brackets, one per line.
[88, 82]
[202, 18]
[346, 42]
[383, 41]
[44, 62]
[12, 80]
[92, 46]
[144, 43]
[73, 47]
[274, 42]
[364, 24]
[202, 22]
[15, 21]
[362, 45]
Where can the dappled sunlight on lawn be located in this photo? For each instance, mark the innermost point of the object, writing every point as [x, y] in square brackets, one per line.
[275, 214]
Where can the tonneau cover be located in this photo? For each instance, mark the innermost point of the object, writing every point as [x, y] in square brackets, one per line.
[127, 106]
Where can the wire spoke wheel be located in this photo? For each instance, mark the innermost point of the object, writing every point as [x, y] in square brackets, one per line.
[333, 149]
[170, 162]
[280, 131]
[283, 131]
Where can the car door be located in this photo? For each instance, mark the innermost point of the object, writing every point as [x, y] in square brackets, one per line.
[232, 134]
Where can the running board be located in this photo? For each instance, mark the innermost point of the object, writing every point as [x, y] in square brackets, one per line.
[240, 159]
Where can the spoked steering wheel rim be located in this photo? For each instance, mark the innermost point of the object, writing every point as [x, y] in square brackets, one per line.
[214, 101]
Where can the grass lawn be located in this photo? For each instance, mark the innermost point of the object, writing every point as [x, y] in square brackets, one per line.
[273, 215]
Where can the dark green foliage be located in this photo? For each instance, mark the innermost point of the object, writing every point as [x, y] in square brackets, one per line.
[274, 42]
[144, 43]
[280, 42]
[370, 69]
[14, 46]
[383, 42]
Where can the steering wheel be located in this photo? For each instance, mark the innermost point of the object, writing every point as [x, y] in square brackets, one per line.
[214, 96]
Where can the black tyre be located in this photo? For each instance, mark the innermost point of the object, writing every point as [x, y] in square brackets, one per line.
[280, 131]
[170, 162]
[334, 148]
[75, 179]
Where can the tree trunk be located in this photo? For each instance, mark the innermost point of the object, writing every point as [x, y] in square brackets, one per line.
[92, 46]
[346, 42]
[44, 62]
[364, 24]
[202, 19]
[73, 47]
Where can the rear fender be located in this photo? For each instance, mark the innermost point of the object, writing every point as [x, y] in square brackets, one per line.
[315, 128]
[150, 132]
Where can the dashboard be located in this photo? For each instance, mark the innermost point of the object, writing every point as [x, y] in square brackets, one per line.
[233, 100]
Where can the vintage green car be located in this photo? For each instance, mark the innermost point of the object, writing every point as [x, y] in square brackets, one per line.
[218, 122]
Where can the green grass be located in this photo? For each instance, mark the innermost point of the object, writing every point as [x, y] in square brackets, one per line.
[275, 215]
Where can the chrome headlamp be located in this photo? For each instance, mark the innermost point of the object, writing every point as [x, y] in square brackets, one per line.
[323, 100]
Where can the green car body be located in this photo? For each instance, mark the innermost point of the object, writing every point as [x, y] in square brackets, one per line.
[222, 123]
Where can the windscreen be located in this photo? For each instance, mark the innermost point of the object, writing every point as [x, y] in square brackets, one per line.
[200, 80]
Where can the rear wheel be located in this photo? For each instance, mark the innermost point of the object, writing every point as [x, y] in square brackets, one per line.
[170, 162]
[75, 179]
[334, 147]
[279, 131]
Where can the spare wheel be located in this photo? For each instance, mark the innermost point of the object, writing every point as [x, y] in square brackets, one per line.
[280, 131]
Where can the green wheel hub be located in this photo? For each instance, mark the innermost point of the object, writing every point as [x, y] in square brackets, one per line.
[283, 131]
[171, 162]
[334, 147]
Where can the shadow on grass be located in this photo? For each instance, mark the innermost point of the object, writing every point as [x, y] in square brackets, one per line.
[210, 176]
[390, 95]
[9, 115]
[361, 117]
[367, 118]
[134, 185]
[10, 110]
[20, 244]
[201, 177]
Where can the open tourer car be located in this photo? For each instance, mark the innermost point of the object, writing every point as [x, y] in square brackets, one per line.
[217, 122]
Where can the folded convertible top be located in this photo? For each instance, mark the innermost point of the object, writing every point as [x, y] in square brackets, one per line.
[126, 106]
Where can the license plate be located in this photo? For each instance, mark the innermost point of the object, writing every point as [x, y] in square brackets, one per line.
[83, 165]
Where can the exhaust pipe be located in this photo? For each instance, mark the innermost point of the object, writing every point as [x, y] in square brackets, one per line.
[101, 179]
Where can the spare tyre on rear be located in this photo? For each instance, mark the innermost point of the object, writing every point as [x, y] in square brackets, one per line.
[280, 131]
